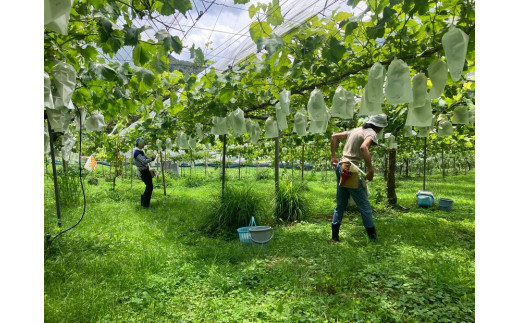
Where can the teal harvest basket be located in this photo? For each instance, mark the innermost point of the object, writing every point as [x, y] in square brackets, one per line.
[425, 198]
[243, 232]
[445, 204]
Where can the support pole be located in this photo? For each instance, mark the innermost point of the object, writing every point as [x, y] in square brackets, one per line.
[239, 166]
[224, 165]
[424, 167]
[162, 170]
[390, 190]
[325, 165]
[303, 158]
[157, 171]
[442, 162]
[54, 175]
[277, 164]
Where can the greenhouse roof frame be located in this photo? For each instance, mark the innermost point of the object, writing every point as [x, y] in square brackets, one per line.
[227, 41]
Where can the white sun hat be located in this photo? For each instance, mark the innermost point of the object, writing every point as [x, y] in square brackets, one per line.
[379, 120]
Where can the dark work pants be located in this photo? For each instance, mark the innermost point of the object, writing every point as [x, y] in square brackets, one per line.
[358, 195]
[146, 177]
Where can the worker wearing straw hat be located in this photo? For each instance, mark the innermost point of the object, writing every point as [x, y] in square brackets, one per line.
[356, 149]
[142, 162]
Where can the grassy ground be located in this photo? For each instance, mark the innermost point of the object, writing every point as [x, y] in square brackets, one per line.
[126, 264]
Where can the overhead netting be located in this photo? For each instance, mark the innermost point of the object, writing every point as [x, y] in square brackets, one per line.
[230, 38]
[294, 13]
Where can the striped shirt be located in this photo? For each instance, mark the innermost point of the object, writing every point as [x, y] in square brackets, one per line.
[140, 159]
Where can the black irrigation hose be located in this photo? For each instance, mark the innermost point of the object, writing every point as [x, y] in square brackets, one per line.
[48, 236]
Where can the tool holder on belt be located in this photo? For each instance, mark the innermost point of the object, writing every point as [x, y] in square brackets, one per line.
[350, 175]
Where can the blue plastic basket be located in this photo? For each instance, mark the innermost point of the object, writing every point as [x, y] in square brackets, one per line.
[243, 232]
[425, 198]
[445, 204]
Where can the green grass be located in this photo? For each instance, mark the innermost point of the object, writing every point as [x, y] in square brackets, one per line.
[126, 264]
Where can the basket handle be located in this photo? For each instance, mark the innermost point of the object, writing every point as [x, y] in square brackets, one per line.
[252, 222]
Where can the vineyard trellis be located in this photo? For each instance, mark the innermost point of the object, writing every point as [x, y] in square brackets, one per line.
[317, 53]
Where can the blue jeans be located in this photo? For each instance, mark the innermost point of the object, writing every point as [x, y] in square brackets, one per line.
[358, 195]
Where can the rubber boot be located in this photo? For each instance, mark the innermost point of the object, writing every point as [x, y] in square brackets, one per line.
[372, 233]
[146, 202]
[335, 231]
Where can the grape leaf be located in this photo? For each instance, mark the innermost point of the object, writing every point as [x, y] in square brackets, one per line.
[197, 55]
[272, 44]
[144, 75]
[103, 71]
[258, 30]
[352, 3]
[160, 63]
[140, 55]
[169, 7]
[421, 6]
[253, 10]
[169, 42]
[173, 43]
[90, 53]
[351, 26]
[226, 94]
[274, 13]
[334, 50]
[131, 35]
